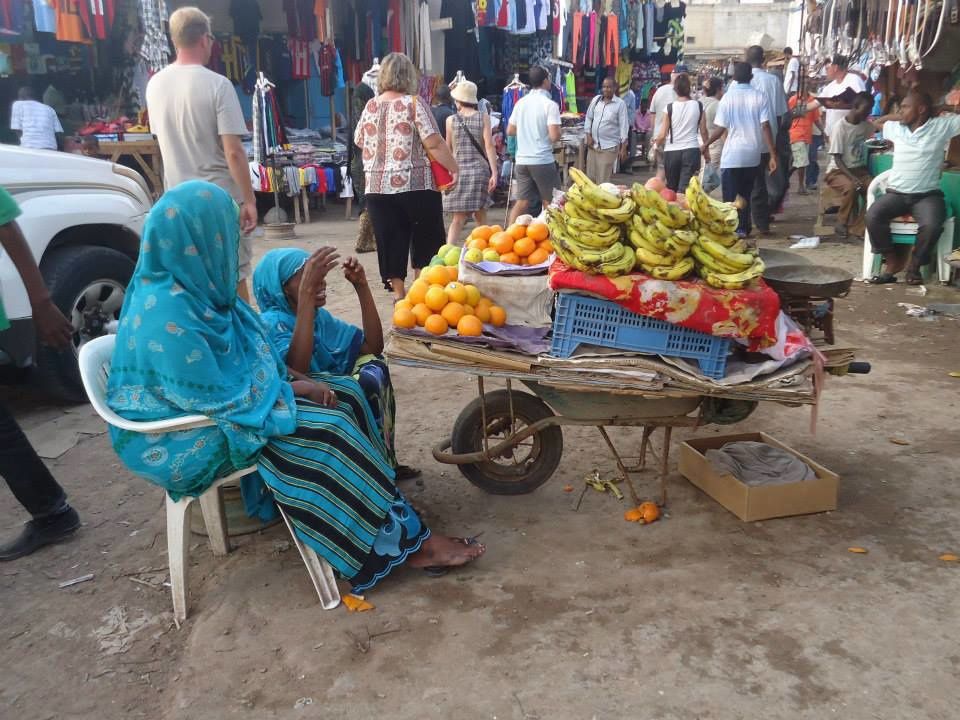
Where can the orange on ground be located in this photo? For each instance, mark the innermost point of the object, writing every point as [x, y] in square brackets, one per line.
[418, 291]
[517, 231]
[473, 294]
[421, 312]
[482, 232]
[538, 231]
[436, 325]
[452, 313]
[482, 312]
[650, 511]
[468, 310]
[456, 292]
[538, 256]
[453, 272]
[436, 298]
[502, 242]
[476, 244]
[633, 515]
[403, 305]
[469, 325]
[404, 318]
[524, 246]
[498, 316]
[546, 245]
[437, 275]
[510, 258]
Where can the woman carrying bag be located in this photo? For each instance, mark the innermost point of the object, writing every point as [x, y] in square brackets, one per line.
[470, 141]
[399, 140]
[678, 136]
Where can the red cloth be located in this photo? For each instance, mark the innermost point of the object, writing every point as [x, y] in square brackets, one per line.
[97, 16]
[749, 314]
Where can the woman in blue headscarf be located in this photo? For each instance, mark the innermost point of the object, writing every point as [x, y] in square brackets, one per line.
[291, 291]
[187, 345]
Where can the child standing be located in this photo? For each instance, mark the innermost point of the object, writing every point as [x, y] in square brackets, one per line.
[801, 135]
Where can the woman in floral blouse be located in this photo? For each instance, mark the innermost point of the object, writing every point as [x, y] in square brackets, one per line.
[397, 135]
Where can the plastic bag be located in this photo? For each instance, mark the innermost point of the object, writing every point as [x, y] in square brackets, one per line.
[711, 178]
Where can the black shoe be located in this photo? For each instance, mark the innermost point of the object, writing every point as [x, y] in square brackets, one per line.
[37, 533]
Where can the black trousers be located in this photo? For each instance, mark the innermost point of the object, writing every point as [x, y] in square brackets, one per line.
[679, 166]
[759, 198]
[929, 211]
[406, 224]
[26, 475]
[739, 181]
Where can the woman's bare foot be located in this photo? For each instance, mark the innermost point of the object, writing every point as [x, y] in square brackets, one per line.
[441, 551]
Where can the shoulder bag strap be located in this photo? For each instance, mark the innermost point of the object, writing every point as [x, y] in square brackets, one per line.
[473, 140]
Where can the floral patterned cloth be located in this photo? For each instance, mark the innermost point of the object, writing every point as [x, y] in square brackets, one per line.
[390, 135]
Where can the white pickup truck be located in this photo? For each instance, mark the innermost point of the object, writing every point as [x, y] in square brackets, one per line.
[82, 219]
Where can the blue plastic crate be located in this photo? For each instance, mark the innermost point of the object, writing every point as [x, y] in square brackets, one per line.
[581, 319]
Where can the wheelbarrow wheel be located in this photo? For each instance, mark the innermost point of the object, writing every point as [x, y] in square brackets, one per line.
[527, 465]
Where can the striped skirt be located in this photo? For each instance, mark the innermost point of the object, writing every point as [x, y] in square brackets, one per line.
[334, 480]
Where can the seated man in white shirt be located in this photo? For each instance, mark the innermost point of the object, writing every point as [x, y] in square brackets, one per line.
[36, 125]
[919, 142]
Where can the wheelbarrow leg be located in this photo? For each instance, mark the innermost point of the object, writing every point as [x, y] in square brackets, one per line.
[665, 461]
[624, 473]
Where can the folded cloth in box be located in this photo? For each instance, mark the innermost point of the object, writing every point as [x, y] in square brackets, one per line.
[528, 300]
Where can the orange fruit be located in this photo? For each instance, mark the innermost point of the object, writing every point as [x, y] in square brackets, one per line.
[403, 305]
[476, 244]
[485, 301]
[494, 229]
[538, 256]
[498, 316]
[633, 515]
[650, 511]
[546, 245]
[510, 258]
[418, 291]
[482, 232]
[473, 294]
[502, 242]
[421, 312]
[436, 325]
[538, 231]
[517, 231]
[482, 312]
[436, 298]
[452, 313]
[524, 246]
[456, 292]
[452, 273]
[468, 310]
[469, 325]
[437, 275]
[404, 318]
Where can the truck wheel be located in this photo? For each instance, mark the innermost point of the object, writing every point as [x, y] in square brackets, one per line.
[529, 464]
[88, 284]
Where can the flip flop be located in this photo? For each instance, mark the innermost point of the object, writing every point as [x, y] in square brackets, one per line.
[436, 571]
[405, 472]
[883, 279]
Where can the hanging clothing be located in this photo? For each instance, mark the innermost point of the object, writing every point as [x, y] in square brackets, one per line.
[45, 16]
[246, 17]
[155, 49]
[424, 47]
[300, 59]
[70, 26]
[97, 17]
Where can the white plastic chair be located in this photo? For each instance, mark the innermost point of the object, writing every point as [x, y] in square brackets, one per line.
[871, 262]
[95, 358]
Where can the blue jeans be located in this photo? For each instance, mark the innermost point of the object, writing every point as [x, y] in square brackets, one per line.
[813, 169]
[739, 181]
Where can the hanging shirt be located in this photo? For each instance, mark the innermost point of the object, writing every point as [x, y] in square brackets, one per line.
[300, 58]
[231, 57]
[97, 16]
[37, 123]
[11, 17]
[246, 19]
[69, 23]
[44, 16]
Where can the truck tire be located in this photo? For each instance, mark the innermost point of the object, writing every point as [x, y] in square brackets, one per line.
[88, 283]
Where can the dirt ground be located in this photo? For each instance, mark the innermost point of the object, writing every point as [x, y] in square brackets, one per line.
[569, 614]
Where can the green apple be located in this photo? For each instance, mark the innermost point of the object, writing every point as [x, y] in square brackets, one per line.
[436, 260]
[444, 249]
[473, 256]
[491, 255]
[452, 257]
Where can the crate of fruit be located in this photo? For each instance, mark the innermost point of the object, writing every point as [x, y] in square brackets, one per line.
[524, 248]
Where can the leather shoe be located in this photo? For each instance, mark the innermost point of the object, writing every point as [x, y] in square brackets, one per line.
[37, 533]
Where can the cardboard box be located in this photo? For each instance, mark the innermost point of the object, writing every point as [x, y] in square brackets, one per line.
[751, 503]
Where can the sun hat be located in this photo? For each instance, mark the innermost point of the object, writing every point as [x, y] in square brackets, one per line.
[465, 92]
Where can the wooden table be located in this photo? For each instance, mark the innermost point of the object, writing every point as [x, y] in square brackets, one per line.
[147, 155]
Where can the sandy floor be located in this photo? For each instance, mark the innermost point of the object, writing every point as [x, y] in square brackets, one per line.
[570, 614]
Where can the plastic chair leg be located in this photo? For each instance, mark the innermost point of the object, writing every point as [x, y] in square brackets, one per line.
[319, 570]
[215, 520]
[178, 554]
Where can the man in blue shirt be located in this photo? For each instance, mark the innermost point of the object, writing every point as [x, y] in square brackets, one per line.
[919, 142]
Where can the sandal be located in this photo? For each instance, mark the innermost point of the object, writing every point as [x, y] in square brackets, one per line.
[405, 472]
[883, 279]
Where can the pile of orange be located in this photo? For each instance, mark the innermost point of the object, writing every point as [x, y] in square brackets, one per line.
[517, 245]
[437, 305]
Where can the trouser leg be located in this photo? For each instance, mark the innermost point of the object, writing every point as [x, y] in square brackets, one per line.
[28, 478]
[759, 199]
[689, 166]
[884, 209]
[846, 189]
[930, 212]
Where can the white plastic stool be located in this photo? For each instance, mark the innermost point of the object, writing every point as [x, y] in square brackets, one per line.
[871, 262]
[95, 358]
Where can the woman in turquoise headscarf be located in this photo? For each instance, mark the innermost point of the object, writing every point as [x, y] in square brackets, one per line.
[290, 287]
[186, 345]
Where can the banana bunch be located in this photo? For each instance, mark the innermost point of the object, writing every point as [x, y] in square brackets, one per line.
[731, 268]
[662, 253]
[599, 201]
[712, 215]
[612, 260]
[654, 208]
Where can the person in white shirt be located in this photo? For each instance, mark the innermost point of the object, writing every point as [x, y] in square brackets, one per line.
[919, 145]
[770, 87]
[680, 137]
[840, 80]
[791, 72]
[36, 125]
[535, 121]
[607, 126]
[663, 96]
[744, 116]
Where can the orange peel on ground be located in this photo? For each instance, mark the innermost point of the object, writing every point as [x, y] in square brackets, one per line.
[356, 603]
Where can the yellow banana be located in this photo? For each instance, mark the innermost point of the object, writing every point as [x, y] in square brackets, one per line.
[580, 178]
[643, 241]
[622, 266]
[593, 242]
[675, 217]
[610, 255]
[620, 214]
[596, 195]
[678, 271]
[579, 225]
[741, 261]
[676, 249]
[653, 259]
[738, 280]
[727, 239]
[709, 262]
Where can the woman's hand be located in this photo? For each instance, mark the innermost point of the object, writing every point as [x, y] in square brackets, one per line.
[354, 273]
[492, 184]
[318, 392]
[313, 282]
